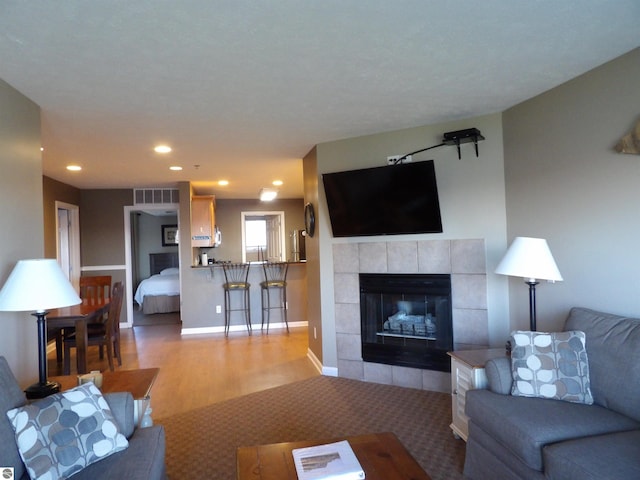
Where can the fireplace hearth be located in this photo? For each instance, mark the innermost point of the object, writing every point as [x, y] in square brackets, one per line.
[406, 320]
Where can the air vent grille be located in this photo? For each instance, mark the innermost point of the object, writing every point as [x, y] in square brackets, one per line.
[156, 196]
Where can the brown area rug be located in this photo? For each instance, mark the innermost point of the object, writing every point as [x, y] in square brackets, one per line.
[203, 443]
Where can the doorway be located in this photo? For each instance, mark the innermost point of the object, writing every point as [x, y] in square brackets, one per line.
[68, 241]
[263, 236]
[131, 254]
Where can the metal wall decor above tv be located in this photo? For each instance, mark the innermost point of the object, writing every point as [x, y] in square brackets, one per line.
[390, 200]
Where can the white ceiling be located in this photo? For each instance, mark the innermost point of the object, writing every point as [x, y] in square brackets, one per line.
[245, 89]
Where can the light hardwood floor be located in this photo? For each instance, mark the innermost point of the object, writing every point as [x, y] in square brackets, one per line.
[198, 370]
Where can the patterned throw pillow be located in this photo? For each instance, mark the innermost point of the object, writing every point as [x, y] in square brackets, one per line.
[550, 365]
[59, 435]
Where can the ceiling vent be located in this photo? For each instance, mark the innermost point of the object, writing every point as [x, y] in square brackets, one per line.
[156, 196]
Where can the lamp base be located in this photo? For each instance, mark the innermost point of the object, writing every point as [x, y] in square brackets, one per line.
[41, 390]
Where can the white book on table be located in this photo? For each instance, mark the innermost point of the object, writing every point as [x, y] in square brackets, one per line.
[332, 461]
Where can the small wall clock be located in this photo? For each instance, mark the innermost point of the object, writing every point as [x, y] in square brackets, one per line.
[309, 219]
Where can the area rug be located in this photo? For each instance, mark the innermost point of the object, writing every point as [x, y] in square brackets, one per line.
[203, 443]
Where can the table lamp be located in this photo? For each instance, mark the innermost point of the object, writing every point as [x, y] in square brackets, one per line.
[531, 259]
[39, 285]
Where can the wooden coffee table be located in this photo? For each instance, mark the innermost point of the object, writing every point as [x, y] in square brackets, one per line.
[138, 382]
[381, 456]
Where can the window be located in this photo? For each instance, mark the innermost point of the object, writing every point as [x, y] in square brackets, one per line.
[256, 233]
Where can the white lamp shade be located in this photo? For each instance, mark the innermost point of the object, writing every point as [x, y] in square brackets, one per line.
[529, 258]
[37, 285]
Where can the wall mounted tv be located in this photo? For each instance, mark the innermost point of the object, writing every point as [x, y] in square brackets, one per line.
[390, 200]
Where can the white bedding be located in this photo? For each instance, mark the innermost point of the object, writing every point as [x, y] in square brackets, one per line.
[161, 284]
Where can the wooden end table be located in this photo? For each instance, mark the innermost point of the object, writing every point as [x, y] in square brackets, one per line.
[138, 382]
[381, 456]
[467, 373]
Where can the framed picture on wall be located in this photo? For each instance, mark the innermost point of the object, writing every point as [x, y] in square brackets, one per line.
[169, 235]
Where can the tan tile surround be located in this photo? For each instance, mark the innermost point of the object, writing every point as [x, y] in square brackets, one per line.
[463, 259]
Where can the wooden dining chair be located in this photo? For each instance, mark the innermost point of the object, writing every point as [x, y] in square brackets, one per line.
[93, 290]
[103, 335]
[115, 308]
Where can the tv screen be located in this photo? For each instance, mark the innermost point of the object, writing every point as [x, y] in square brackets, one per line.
[390, 200]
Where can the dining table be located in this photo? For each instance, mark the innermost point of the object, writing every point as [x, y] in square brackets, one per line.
[79, 316]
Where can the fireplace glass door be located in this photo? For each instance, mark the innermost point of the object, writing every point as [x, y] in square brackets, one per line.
[406, 320]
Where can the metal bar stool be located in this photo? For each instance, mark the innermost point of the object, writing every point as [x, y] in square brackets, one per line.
[236, 277]
[275, 278]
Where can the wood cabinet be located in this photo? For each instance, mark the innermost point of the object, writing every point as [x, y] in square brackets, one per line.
[203, 220]
[467, 373]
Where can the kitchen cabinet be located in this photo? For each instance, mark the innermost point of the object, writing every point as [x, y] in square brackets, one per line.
[203, 220]
[467, 373]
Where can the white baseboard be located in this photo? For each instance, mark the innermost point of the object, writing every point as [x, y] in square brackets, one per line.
[326, 371]
[239, 328]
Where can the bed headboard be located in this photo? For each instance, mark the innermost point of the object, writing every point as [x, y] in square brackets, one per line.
[160, 261]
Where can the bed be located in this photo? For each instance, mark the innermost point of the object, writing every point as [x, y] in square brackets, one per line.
[160, 293]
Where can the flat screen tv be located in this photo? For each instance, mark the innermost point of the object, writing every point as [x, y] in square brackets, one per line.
[389, 200]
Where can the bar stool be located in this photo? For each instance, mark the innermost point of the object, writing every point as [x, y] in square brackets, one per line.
[275, 278]
[236, 277]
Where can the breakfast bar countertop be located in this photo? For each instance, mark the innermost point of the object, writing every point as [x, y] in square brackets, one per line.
[221, 263]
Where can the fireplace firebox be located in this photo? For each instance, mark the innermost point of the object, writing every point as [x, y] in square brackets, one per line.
[406, 320]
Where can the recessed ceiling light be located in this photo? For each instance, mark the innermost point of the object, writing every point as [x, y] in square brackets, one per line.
[223, 183]
[162, 149]
[277, 183]
[74, 168]
[175, 168]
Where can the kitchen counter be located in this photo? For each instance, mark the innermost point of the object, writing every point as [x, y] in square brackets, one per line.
[253, 264]
[206, 297]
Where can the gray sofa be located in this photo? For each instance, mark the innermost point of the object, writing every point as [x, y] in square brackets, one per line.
[142, 459]
[515, 437]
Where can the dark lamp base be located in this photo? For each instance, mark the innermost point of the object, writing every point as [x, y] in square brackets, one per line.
[41, 390]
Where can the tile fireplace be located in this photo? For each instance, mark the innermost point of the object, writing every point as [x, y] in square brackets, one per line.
[463, 260]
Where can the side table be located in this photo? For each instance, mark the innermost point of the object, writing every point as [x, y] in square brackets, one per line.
[138, 382]
[467, 373]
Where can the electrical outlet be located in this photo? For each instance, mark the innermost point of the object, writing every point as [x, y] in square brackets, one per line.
[315, 334]
[393, 159]
[218, 308]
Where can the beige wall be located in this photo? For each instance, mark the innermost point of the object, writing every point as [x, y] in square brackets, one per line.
[228, 220]
[21, 216]
[102, 234]
[102, 226]
[472, 202]
[566, 183]
[312, 245]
